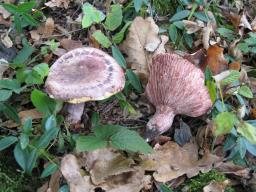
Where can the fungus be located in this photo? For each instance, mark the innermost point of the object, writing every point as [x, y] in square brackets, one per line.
[175, 86]
[81, 75]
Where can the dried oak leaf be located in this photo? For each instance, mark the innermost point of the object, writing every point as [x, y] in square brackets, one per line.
[171, 161]
[141, 42]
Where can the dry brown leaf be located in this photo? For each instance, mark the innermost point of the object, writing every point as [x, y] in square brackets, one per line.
[70, 44]
[215, 60]
[35, 35]
[58, 3]
[142, 40]
[109, 169]
[207, 32]
[48, 27]
[196, 58]
[171, 161]
[235, 65]
[192, 26]
[215, 186]
[54, 183]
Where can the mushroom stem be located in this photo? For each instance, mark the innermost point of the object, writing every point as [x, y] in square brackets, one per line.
[74, 112]
[160, 122]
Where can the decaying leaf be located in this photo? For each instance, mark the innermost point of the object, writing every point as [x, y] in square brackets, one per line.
[215, 60]
[193, 26]
[70, 44]
[141, 42]
[58, 3]
[109, 170]
[207, 32]
[171, 161]
[215, 186]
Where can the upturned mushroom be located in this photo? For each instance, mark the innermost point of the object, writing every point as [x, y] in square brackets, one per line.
[81, 75]
[175, 86]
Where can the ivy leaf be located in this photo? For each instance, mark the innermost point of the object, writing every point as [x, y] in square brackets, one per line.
[224, 122]
[180, 15]
[114, 17]
[89, 143]
[248, 131]
[130, 140]
[245, 91]
[102, 39]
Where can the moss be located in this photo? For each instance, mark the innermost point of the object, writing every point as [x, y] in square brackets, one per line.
[165, 7]
[196, 184]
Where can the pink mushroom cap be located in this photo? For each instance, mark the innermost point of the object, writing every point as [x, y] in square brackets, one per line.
[175, 86]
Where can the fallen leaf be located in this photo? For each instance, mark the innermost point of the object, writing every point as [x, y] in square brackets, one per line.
[207, 32]
[58, 3]
[48, 27]
[141, 41]
[6, 40]
[215, 60]
[171, 161]
[192, 26]
[215, 186]
[70, 44]
[235, 65]
[54, 183]
[35, 35]
[197, 58]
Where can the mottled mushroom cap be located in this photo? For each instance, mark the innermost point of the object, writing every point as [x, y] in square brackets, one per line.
[84, 74]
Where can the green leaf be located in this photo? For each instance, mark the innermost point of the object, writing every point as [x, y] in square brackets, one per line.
[212, 90]
[234, 76]
[24, 53]
[50, 169]
[91, 15]
[138, 4]
[118, 37]
[95, 119]
[227, 33]
[243, 47]
[188, 39]
[7, 141]
[26, 7]
[31, 160]
[165, 188]
[10, 112]
[20, 156]
[104, 132]
[89, 143]
[134, 80]
[46, 138]
[11, 84]
[27, 126]
[248, 131]
[242, 147]
[102, 39]
[42, 69]
[5, 94]
[173, 33]
[224, 122]
[64, 188]
[180, 15]
[118, 56]
[201, 16]
[10, 8]
[42, 102]
[29, 19]
[50, 123]
[130, 140]
[24, 141]
[245, 91]
[114, 17]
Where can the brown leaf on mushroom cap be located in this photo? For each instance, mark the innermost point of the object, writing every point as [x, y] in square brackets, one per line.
[175, 86]
[84, 74]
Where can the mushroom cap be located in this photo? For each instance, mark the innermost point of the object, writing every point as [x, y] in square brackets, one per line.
[84, 74]
[178, 84]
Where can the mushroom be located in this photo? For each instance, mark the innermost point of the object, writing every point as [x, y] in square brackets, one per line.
[81, 75]
[175, 86]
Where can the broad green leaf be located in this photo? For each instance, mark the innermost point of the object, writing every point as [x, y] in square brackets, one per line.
[11, 84]
[7, 141]
[29, 19]
[24, 53]
[5, 94]
[130, 140]
[46, 138]
[50, 169]
[31, 160]
[179, 25]
[11, 112]
[42, 102]
[180, 15]
[134, 80]
[27, 126]
[32, 77]
[138, 4]
[245, 91]
[242, 147]
[89, 143]
[50, 123]
[188, 39]
[104, 132]
[243, 47]
[17, 23]
[173, 33]
[42, 69]
[20, 156]
[227, 33]
[26, 7]
[118, 56]
[102, 39]
[234, 76]
[201, 16]
[91, 15]
[114, 17]
[224, 122]
[248, 131]
[24, 141]
[118, 37]
[250, 147]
